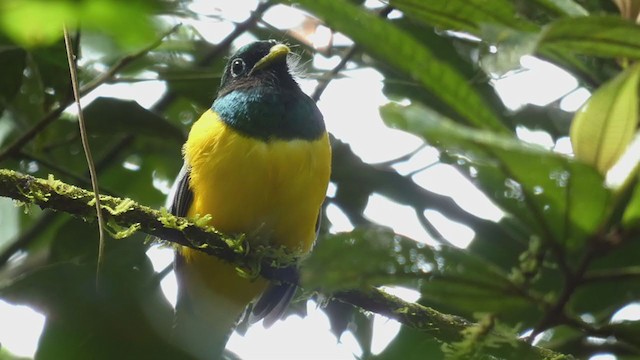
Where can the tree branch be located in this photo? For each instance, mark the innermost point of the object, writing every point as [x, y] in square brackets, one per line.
[54, 194]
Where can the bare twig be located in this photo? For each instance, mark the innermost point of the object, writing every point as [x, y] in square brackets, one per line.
[87, 149]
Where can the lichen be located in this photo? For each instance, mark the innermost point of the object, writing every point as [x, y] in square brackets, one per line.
[123, 232]
[34, 194]
[121, 208]
[57, 185]
[486, 333]
[202, 220]
[171, 221]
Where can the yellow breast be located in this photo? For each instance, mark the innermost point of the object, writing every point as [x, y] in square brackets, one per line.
[270, 189]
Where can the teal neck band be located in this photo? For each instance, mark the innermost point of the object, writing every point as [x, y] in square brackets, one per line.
[266, 113]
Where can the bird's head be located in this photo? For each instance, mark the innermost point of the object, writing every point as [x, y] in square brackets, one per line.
[261, 63]
[259, 97]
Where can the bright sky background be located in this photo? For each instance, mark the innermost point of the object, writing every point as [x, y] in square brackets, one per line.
[537, 83]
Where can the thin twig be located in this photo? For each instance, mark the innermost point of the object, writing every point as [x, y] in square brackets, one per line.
[330, 75]
[219, 49]
[159, 276]
[122, 63]
[87, 150]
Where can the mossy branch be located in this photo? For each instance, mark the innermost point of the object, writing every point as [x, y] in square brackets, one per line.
[57, 195]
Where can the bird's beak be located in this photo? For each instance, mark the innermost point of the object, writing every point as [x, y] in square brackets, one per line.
[278, 51]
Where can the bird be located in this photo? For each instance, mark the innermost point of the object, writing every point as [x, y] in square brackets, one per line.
[258, 161]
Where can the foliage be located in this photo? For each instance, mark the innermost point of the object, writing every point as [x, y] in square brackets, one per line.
[561, 261]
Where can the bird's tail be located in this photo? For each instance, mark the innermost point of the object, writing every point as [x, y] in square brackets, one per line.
[211, 298]
[202, 335]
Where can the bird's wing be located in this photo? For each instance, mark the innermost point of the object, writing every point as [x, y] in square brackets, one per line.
[180, 196]
[274, 300]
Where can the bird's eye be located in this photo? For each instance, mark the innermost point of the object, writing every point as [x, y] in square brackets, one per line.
[237, 67]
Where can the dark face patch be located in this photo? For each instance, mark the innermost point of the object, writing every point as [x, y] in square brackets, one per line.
[237, 72]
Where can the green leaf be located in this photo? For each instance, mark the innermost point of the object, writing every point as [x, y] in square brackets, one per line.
[510, 46]
[154, 163]
[562, 7]
[12, 63]
[378, 256]
[366, 256]
[627, 329]
[453, 51]
[402, 51]
[466, 284]
[631, 217]
[604, 126]
[126, 21]
[602, 298]
[463, 15]
[560, 199]
[197, 85]
[111, 116]
[53, 69]
[551, 119]
[604, 36]
[448, 277]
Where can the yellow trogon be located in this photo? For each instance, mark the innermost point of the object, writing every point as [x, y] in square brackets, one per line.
[258, 161]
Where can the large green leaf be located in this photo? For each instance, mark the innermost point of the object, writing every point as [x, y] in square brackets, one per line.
[606, 123]
[468, 285]
[378, 256]
[463, 15]
[197, 85]
[451, 50]
[115, 116]
[604, 36]
[562, 200]
[401, 50]
[143, 169]
[37, 22]
[631, 216]
[53, 69]
[367, 256]
[12, 63]
[448, 278]
[562, 7]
